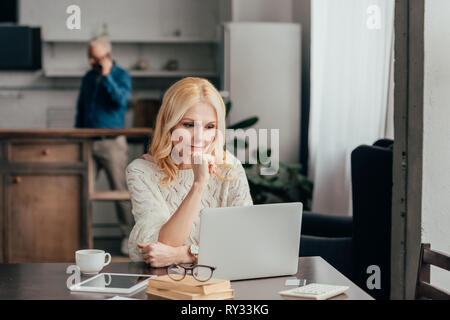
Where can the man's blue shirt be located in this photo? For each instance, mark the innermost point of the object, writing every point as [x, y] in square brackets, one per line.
[103, 100]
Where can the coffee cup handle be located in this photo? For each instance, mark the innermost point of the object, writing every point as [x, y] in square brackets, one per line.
[109, 259]
[108, 282]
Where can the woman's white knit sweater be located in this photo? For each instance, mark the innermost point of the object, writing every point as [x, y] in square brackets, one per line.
[153, 203]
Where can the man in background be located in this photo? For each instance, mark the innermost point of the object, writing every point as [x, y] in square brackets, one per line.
[102, 103]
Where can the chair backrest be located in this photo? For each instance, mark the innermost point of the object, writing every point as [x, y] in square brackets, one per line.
[428, 257]
[384, 143]
[372, 200]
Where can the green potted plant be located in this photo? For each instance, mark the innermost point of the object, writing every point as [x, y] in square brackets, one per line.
[289, 184]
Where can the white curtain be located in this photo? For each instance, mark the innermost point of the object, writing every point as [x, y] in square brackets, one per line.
[351, 92]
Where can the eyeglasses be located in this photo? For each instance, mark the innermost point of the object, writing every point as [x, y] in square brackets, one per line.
[200, 272]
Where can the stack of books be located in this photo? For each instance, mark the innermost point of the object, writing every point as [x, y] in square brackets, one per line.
[189, 289]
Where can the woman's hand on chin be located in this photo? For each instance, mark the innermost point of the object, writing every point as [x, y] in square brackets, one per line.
[203, 166]
[159, 255]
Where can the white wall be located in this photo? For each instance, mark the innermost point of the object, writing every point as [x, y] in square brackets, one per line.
[436, 144]
[135, 19]
[263, 78]
[280, 11]
[262, 10]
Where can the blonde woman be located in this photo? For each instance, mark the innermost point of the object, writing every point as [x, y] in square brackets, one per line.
[185, 171]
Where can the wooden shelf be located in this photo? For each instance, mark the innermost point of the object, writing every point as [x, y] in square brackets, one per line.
[75, 133]
[74, 73]
[109, 196]
[161, 40]
[177, 73]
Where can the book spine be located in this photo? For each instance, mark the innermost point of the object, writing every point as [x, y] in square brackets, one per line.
[178, 287]
[203, 289]
[173, 295]
[216, 287]
[176, 295]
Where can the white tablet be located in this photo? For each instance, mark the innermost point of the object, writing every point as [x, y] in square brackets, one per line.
[113, 283]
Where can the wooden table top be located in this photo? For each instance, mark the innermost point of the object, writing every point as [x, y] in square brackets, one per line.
[48, 281]
[73, 133]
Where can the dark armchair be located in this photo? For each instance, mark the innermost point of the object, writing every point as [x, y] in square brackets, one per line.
[352, 244]
[329, 237]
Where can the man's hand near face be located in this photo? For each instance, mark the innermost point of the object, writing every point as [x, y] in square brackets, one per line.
[107, 64]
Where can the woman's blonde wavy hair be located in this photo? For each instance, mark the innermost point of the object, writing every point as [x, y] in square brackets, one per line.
[176, 101]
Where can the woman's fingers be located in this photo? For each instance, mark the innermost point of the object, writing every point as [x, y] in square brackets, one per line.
[211, 164]
[212, 168]
[210, 148]
[210, 161]
[203, 166]
[145, 253]
[145, 248]
[206, 159]
[197, 157]
[200, 157]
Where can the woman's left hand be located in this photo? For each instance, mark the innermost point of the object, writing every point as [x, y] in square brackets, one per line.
[158, 254]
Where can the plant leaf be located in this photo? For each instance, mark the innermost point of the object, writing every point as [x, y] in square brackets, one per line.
[244, 123]
[227, 108]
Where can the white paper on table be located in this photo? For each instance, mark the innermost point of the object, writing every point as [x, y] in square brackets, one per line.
[292, 282]
[121, 298]
[295, 282]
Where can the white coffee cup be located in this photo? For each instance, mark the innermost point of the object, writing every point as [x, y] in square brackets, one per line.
[91, 261]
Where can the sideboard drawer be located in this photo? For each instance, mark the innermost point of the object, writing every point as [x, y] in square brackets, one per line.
[45, 152]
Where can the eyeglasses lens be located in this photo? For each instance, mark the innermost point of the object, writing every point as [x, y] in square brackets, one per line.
[202, 273]
[176, 272]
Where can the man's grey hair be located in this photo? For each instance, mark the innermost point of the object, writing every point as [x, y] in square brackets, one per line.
[100, 41]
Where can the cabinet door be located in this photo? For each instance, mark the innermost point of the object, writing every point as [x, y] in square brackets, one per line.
[43, 217]
[48, 151]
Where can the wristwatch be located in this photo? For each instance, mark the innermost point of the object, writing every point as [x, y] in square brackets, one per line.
[193, 250]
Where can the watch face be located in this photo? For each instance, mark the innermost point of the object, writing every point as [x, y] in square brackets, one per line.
[194, 249]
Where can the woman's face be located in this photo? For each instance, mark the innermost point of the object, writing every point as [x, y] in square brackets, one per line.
[199, 124]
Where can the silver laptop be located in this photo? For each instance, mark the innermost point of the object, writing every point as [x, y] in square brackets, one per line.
[251, 242]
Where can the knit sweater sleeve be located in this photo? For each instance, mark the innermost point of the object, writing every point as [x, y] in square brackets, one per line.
[239, 190]
[148, 206]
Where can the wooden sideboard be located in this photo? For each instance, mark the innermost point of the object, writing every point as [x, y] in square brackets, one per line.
[46, 190]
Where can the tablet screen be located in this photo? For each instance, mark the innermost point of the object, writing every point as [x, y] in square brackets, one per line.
[114, 280]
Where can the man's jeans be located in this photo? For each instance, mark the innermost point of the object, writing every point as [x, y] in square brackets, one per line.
[111, 155]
